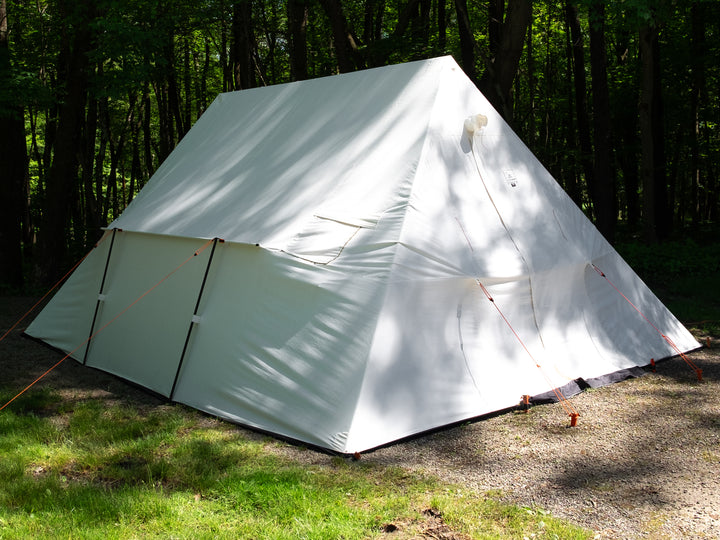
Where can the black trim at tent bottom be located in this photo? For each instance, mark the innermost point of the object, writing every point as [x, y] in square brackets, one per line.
[578, 385]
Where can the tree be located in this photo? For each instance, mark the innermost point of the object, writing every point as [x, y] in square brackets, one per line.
[242, 45]
[344, 42]
[467, 41]
[500, 71]
[603, 185]
[73, 63]
[698, 83]
[297, 29]
[577, 54]
[13, 165]
[657, 218]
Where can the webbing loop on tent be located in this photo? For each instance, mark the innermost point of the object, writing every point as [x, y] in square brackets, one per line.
[51, 289]
[669, 341]
[564, 402]
[116, 317]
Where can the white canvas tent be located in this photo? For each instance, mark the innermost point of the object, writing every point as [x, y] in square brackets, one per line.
[362, 217]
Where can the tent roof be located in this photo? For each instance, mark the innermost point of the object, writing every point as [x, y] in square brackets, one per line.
[260, 163]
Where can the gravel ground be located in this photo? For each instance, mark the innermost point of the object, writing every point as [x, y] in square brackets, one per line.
[643, 461]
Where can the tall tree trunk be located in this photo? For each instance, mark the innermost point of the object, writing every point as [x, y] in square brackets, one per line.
[13, 174]
[227, 79]
[572, 184]
[625, 120]
[604, 195]
[500, 72]
[241, 52]
[166, 136]
[579, 83]
[76, 41]
[657, 222]
[92, 212]
[420, 23]
[297, 25]
[147, 134]
[496, 13]
[345, 46]
[467, 41]
[442, 24]
[698, 79]
[187, 85]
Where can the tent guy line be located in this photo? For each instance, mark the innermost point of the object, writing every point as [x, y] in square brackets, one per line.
[49, 291]
[111, 321]
[564, 401]
[670, 342]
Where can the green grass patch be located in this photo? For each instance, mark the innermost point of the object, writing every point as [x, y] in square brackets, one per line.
[93, 471]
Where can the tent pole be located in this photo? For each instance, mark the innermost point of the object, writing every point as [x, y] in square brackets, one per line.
[192, 322]
[97, 304]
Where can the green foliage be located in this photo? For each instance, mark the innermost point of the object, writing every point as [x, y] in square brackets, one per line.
[89, 469]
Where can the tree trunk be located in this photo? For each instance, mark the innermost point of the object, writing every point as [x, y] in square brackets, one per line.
[297, 25]
[13, 176]
[345, 46]
[625, 118]
[698, 79]
[76, 41]
[224, 63]
[147, 134]
[442, 24]
[603, 194]
[241, 53]
[579, 83]
[420, 23]
[467, 41]
[92, 212]
[500, 72]
[496, 9]
[657, 223]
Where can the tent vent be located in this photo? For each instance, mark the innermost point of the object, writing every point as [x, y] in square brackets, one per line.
[474, 123]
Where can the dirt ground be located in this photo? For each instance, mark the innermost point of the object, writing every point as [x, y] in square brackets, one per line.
[643, 461]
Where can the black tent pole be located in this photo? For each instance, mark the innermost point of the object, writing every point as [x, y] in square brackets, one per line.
[100, 298]
[193, 320]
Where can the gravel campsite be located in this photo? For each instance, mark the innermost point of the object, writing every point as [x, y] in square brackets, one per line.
[642, 462]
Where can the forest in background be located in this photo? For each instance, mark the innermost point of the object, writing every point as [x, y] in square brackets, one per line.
[619, 100]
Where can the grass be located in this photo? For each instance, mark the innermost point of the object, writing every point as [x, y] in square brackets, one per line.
[87, 470]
